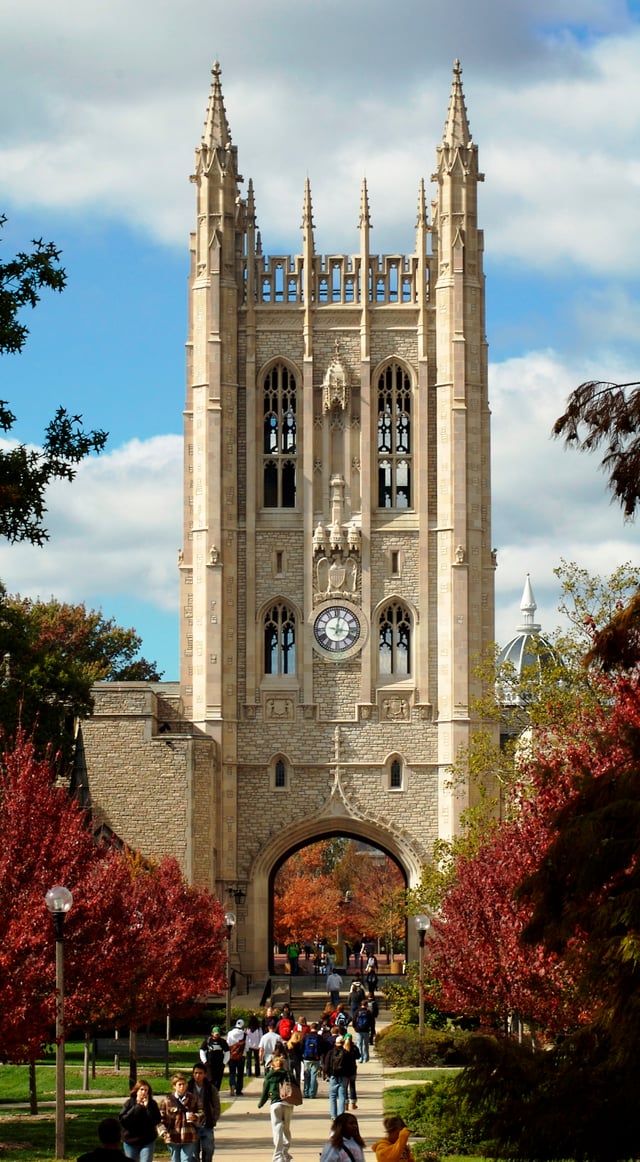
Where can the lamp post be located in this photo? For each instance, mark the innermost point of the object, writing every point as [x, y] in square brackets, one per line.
[423, 924]
[340, 953]
[59, 901]
[230, 921]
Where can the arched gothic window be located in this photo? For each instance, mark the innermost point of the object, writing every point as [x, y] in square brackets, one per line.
[280, 774]
[279, 640]
[394, 438]
[279, 450]
[395, 775]
[394, 642]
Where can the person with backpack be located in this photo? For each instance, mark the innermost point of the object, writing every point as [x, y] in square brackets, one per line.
[286, 1024]
[363, 1025]
[311, 1053]
[236, 1040]
[338, 1067]
[339, 1019]
[356, 994]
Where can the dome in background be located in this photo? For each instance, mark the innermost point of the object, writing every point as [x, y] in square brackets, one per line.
[528, 648]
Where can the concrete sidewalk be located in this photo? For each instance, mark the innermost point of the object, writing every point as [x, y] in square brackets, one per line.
[244, 1131]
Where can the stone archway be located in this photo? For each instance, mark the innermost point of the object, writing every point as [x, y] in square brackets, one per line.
[340, 831]
[289, 840]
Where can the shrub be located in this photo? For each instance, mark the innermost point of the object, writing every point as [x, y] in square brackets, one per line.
[397, 1045]
[447, 1125]
[402, 999]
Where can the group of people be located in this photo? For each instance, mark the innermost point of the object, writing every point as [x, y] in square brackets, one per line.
[284, 1050]
[184, 1119]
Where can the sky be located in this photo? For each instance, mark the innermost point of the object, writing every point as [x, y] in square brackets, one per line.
[103, 105]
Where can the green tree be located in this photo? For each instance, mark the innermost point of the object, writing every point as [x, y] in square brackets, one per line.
[52, 654]
[25, 472]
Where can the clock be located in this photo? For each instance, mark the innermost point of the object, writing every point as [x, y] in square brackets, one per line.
[337, 630]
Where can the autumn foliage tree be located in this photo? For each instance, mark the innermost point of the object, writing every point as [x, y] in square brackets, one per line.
[338, 883]
[139, 940]
[581, 901]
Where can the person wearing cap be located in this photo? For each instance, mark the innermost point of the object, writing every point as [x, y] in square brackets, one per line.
[213, 1051]
[236, 1040]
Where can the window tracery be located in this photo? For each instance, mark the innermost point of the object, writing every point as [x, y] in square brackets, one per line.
[394, 641]
[279, 438]
[279, 640]
[394, 438]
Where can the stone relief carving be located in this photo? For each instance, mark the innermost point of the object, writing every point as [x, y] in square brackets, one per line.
[336, 393]
[336, 551]
[280, 709]
[396, 709]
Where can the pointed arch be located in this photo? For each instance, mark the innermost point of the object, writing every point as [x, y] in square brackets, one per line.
[278, 395]
[278, 623]
[393, 385]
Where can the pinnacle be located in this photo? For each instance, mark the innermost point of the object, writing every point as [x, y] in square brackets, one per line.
[216, 128]
[456, 130]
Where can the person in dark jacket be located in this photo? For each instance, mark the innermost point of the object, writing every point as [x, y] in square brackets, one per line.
[214, 1053]
[208, 1100]
[139, 1119]
[339, 1067]
[280, 1110]
[109, 1136]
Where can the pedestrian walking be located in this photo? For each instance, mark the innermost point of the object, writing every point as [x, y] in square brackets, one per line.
[109, 1137]
[363, 1024]
[180, 1119]
[214, 1054]
[337, 1068]
[279, 1110]
[252, 1046]
[139, 1119]
[208, 1106]
[334, 984]
[311, 1054]
[346, 1142]
[236, 1040]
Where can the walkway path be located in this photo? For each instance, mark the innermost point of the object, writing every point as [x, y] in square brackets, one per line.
[244, 1131]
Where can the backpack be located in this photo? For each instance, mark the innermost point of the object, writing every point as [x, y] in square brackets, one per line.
[337, 1061]
[362, 1020]
[236, 1051]
[342, 1021]
[310, 1052]
[285, 1028]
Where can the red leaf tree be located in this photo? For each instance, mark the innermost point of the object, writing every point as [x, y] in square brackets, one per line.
[476, 952]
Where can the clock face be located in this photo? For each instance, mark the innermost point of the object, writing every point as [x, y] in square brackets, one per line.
[336, 629]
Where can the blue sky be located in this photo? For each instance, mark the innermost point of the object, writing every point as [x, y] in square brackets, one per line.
[104, 104]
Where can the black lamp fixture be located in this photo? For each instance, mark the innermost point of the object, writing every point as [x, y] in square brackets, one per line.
[238, 893]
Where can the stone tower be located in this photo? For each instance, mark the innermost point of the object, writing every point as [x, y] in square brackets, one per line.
[336, 571]
[337, 575]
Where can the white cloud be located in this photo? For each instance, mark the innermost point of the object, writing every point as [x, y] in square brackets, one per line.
[114, 531]
[106, 122]
[549, 503]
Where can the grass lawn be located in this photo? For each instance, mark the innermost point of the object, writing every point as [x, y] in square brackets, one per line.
[28, 1138]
